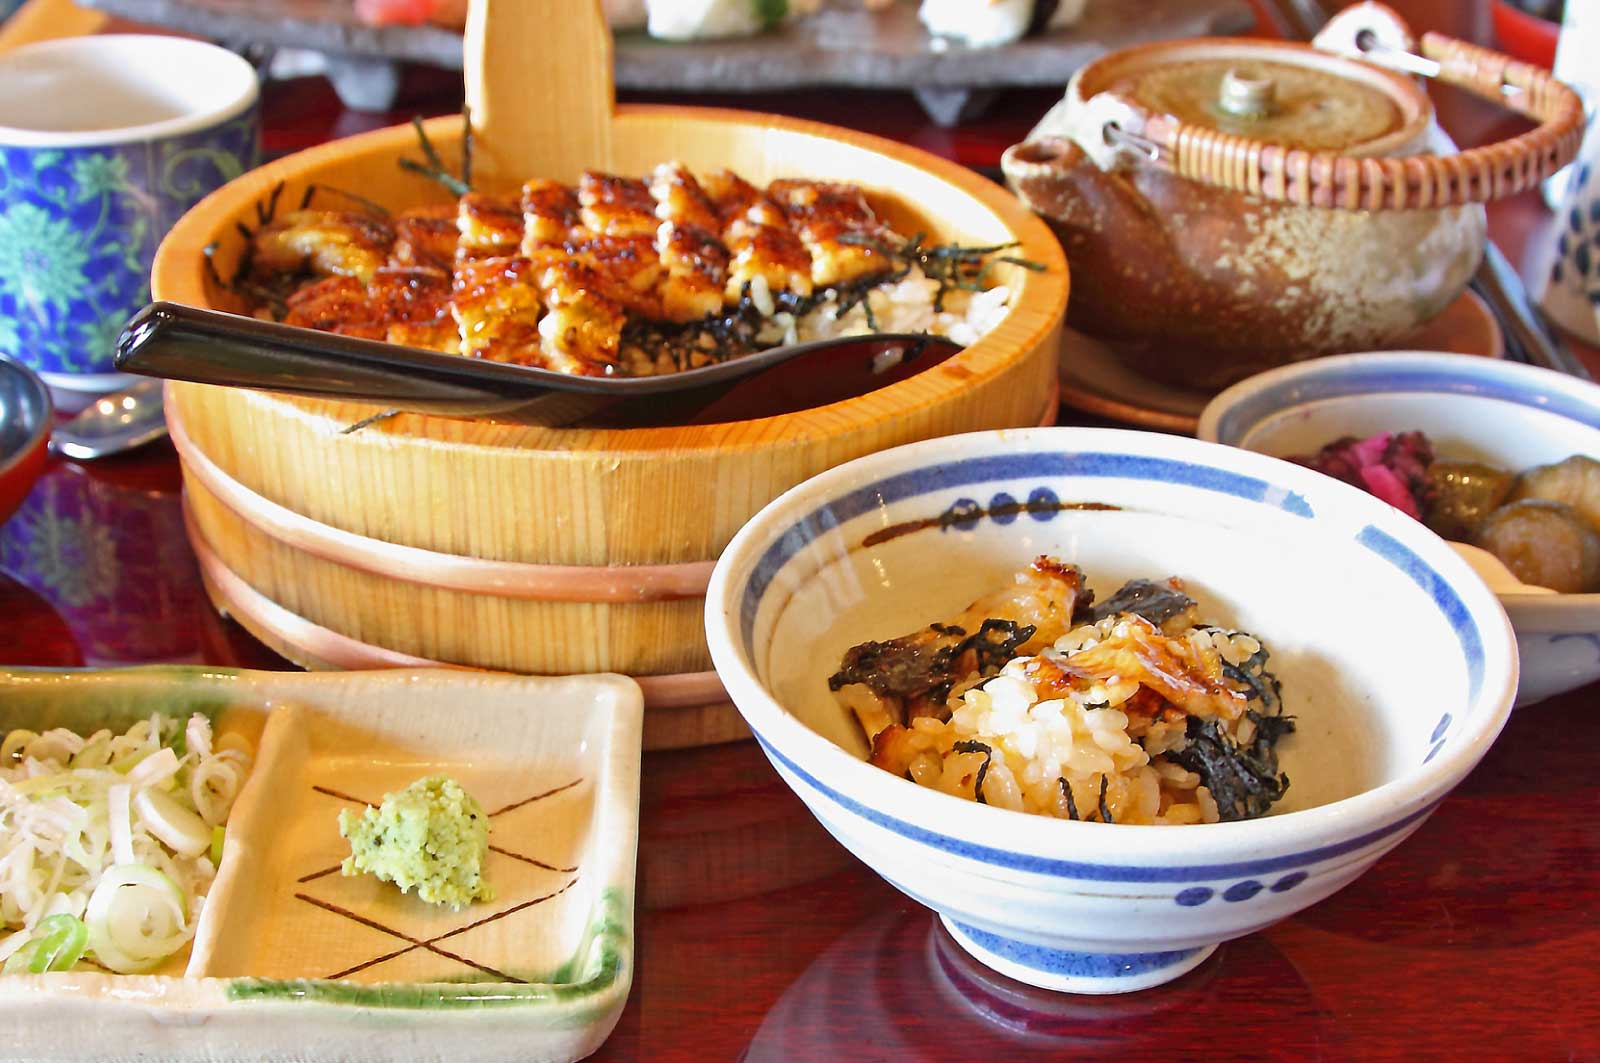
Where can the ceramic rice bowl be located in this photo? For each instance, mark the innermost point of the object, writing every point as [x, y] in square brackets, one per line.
[1474, 409]
[888, 543]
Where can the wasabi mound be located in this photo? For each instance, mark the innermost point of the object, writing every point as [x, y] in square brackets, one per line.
[432, 836]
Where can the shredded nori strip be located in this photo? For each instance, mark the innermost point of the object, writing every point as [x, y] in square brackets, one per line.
[973, 746]
[1156, 601]
[1258, 684]
[1244, 781]
[434, 168]
[371, 206]
[1105, 813]
[924, 663]
[951, 266]
[1066, 791]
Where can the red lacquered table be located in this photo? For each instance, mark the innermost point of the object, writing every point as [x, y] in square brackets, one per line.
[1476, 939]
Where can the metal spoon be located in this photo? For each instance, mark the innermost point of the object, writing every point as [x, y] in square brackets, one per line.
[113, 423]
[208, 347]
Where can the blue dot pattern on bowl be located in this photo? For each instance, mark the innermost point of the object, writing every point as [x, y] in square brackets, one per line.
[1195, 896]
[79, 229]
[1242, 891]
[965, 514]
[1043, 504]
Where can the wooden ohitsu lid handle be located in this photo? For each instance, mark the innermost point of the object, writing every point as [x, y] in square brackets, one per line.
[1331, 179]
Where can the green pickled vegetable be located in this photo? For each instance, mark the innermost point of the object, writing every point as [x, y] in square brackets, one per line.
[1462, 494]
[58, 943]
[1574, 482]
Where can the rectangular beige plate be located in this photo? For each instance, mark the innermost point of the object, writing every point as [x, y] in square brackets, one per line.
[295, 961]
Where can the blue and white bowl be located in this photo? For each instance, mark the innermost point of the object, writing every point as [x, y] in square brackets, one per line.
[1396, 660]
[1474, 409]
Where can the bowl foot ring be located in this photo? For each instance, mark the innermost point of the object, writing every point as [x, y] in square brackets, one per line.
[1074, 972]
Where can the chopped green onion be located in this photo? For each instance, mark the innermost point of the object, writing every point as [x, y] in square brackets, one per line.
[57, 944]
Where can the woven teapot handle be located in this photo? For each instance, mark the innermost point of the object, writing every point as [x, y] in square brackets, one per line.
[1330, 179]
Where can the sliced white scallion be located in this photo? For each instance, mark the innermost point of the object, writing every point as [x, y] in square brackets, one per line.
[136, 918]
[76, 813]
[175, 826]
[154, 769]
[119, 807]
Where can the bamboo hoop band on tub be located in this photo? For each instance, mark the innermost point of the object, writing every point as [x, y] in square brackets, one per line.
[1348, 182]
[257, 611]
[505, 579]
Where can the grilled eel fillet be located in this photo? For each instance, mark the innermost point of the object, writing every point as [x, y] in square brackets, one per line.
[552, 279]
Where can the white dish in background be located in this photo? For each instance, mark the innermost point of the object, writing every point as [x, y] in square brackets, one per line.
[1502, 413]
[1093, 907]
[293, 961]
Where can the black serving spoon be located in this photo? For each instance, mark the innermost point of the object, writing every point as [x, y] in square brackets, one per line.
[210, 347]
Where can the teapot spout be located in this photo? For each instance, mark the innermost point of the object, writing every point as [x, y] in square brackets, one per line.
[1042, 172]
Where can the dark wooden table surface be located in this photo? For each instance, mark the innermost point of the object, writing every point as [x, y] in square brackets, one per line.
[1476, 939]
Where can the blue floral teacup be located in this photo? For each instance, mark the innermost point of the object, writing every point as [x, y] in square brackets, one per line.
[104, 143]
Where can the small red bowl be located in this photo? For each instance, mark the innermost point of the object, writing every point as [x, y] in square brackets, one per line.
[25, 422]
[1526, 37]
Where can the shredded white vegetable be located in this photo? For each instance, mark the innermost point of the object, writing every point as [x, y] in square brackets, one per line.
[115, 830]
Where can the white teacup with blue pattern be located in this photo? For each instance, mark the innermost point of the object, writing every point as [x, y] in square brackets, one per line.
[104, 143]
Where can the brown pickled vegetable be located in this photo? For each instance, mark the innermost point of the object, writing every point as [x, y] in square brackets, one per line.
[1547, 544]
[1462, 494]
[1575, 481]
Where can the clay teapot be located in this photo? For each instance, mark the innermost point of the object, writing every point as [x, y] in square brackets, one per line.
[1230, 205]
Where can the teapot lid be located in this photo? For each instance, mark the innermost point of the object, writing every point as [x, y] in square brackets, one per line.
[1279, 93]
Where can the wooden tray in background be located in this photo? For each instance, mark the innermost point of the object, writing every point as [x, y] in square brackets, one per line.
[843, 46]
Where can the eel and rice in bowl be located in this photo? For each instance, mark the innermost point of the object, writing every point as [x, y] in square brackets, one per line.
[1037, 699]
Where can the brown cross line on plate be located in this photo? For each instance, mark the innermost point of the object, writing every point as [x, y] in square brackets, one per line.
[431, 944]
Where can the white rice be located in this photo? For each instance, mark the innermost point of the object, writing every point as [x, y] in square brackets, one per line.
[1041, 748]
[905, 306]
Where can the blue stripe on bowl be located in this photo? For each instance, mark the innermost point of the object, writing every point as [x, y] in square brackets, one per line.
[1344, 381]
[1074, 964]
[1044, 865]
[1444, 596]
[915, 483]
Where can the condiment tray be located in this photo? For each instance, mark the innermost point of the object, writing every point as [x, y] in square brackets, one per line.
[294, 961]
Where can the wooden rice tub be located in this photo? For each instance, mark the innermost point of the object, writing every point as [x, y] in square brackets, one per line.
[554, 550]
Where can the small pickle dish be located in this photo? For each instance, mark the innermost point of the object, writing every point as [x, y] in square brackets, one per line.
[1395, 670]
[280, 956]
[1506, 416]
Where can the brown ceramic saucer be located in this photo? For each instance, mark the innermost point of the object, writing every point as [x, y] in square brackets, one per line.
[1095, 380]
